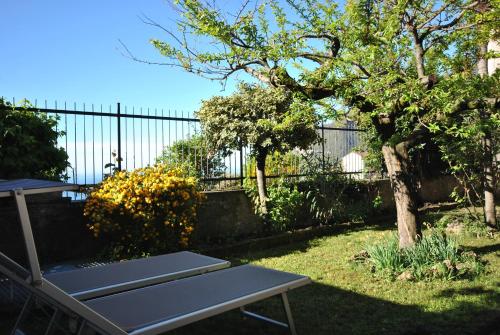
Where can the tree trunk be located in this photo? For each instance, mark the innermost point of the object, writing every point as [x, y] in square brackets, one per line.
[403, 183]
[261, 179]
[489, 183]
[488, 165]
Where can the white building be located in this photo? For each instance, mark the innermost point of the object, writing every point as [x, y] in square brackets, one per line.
[354, 164]
[493, 63]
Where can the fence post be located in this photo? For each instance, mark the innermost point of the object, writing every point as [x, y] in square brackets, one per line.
[241, 165]
[119, 131]
[323, 146]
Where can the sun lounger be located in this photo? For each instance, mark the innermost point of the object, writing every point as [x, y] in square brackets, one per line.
[147, 310]
[174, 304]
[111, 278]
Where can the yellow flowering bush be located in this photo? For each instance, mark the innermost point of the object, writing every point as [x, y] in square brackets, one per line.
[146, 211]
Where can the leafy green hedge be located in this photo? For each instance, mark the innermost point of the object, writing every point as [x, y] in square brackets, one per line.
[28, 144]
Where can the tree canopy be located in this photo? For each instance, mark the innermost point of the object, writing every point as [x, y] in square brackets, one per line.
[388, 62]
[265, 119]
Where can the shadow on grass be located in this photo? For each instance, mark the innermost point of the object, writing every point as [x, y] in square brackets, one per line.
[486, 249]
[320, 309]
[324, 310]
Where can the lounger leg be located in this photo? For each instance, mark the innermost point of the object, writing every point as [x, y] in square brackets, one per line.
[82, 327]
[288, 312]
[290, 325]
[52, 323]
[22, 209]
[26, 305]
[263, 318]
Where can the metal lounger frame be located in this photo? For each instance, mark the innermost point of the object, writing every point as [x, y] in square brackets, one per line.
[35, 283]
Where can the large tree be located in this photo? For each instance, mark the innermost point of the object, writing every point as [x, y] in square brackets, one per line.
[267, 120]
[384, 60]
[469, 137]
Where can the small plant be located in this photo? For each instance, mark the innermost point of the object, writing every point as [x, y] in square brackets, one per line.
[466, 223]
[330, 195]
[377, 202]
[436, 255]
[284, 203]
[145, 211]
[112, 166]
[386, 257]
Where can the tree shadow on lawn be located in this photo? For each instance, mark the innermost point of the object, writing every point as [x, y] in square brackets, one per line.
[326, 310]
[486, 249]
[320, 309]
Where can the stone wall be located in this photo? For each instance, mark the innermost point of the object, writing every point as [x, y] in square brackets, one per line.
[432, 191]
[225, 216]
[59, 229]
[61, 234]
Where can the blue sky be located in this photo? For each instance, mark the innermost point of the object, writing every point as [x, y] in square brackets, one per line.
[69, 51]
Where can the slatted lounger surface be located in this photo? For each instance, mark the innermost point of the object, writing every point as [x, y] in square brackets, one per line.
[117, 277]
[163, 307]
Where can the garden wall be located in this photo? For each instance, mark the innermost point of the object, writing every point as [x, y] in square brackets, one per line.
[58, 227]
[61, 234]
[432, 191]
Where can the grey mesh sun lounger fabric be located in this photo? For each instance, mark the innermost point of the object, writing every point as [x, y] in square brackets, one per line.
[102, 280]
[167, 306]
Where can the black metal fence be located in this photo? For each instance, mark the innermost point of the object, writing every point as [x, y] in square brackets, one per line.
[100, 138]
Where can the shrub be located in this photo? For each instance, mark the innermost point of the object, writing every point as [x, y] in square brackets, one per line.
[320, 197]
[434, 256]
[147, 211]
[195, 156]
[277, 163]
[330, 194]
[284, 203]
[28, 144]
[464, 223]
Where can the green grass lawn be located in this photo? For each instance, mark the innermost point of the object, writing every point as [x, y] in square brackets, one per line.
[347, 299]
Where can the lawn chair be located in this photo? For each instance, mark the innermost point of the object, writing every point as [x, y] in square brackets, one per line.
[146, 310]
[96, 281]
[92, 282]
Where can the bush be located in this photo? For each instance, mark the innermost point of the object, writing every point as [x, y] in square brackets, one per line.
[28, 144]
[284, 203]
[463, 223]
[331, 195]
[434, 256]
[147, 211]
[318, 197]
[277, 164]
[194, 156]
